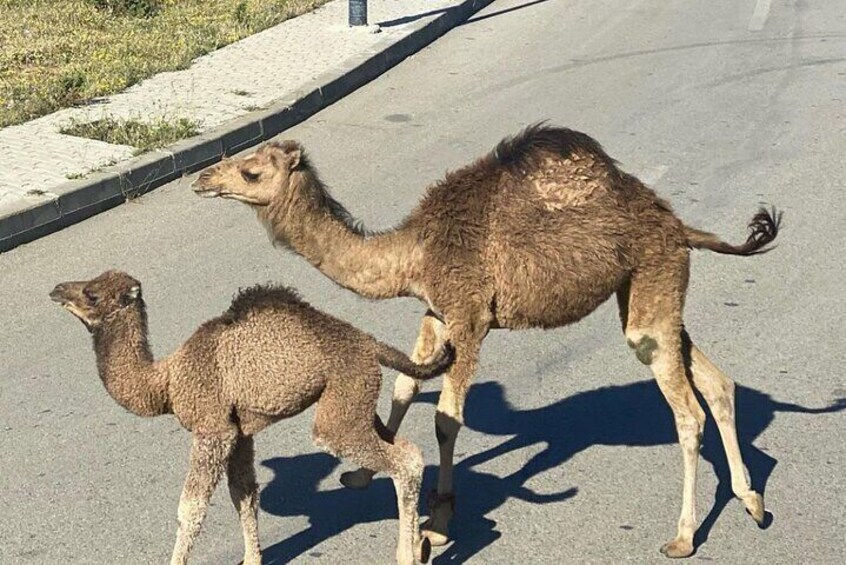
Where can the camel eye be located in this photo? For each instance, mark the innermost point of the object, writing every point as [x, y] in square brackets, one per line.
[92, 298]
[249, 177]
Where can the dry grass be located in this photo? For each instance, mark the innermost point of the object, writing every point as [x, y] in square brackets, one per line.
[60, 53]
[143, 136]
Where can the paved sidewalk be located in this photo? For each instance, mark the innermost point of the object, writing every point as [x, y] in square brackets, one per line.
[253, 80]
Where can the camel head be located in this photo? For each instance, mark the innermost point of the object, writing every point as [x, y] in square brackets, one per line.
[254, 179]
[97, 300]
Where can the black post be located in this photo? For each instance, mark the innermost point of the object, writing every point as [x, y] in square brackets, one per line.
[358, 12]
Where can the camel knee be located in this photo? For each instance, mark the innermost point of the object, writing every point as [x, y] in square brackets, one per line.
[446, 427]
[690, 427]
[405, 389]
[187, 512]
[720, 398]
[722, 409]
[415, 460]
[717, 390]
[450, 411]
[411, 463]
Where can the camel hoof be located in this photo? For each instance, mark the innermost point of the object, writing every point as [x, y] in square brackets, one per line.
[677, 548]
[357, 480]
[252, 558]
[435, 539]
[755, 508]
[424, 550]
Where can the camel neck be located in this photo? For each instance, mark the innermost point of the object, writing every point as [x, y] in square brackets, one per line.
[126, 364]
[315, 226]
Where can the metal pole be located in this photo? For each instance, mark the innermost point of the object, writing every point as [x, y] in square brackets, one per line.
[358, 12]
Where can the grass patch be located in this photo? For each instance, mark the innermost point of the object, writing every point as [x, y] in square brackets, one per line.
[144, 136]
[60, 53]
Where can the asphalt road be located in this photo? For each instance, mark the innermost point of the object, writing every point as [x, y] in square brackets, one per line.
[720, 105]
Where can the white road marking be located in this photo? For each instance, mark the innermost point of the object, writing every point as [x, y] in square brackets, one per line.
[760, 15]
[651, 175]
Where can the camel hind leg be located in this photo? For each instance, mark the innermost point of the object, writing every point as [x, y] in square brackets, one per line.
[429, 341]
[718, 391]
[356, 433]
[651, 308]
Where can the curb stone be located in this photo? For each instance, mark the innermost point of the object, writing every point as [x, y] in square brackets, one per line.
[74, 201]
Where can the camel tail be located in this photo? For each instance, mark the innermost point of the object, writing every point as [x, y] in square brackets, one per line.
[763, 229]
[396, 359]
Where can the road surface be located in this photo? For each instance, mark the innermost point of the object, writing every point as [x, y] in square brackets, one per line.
[721, 106]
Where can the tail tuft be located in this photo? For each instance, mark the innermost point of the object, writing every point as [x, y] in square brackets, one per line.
[763, 230]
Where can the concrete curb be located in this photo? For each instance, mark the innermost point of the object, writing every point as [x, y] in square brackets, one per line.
[74, 201]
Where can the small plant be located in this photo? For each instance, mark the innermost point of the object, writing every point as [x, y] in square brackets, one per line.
[69, 87]
[71, 81]
[134, 8]
[135, 133]
[242, 15]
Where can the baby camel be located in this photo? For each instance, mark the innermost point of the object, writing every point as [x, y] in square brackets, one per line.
[538, 233]
[268, 357]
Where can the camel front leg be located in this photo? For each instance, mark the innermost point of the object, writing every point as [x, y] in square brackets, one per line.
[243, 490]
[209, 455]
[448, 421]
[430, 340]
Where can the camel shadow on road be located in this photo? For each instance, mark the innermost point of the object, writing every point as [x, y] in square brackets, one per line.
[629, 415]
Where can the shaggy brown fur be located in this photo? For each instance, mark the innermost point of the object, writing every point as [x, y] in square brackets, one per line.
[269, 357]
[538, 233]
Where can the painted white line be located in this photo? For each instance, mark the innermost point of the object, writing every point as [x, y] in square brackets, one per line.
[760, 15]
[651, 175]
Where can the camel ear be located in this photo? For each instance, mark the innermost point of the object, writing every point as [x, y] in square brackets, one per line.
[286, 155]
[133, 293]
[293, 158]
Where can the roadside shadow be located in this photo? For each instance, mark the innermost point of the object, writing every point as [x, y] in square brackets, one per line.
[412, 18]
[629, 415]
[294, 492]
[415, 17]
[475, 19]
[635, 414]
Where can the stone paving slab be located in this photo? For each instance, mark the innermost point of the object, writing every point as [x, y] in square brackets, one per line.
[240, 94]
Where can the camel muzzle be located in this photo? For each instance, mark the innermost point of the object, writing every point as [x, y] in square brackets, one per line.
[206, 192]
[58, 294]
[201, 189]
[61, 295]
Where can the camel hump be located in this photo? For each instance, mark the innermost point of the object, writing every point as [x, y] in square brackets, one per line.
[540, 139]
[259, 297]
